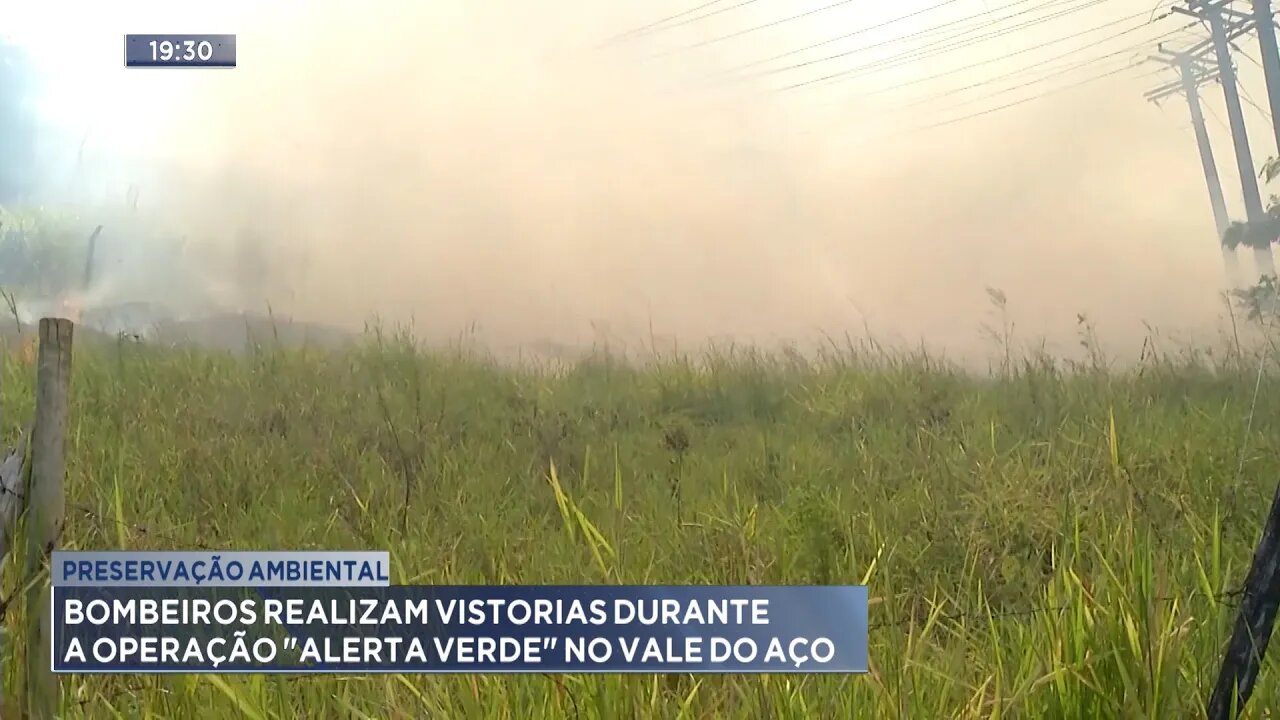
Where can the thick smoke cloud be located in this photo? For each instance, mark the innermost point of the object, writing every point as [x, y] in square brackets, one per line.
[479, 165]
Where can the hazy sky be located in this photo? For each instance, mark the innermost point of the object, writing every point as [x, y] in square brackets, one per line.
[487, 162]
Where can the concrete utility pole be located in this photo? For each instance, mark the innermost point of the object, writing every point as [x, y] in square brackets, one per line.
[1192, 72]
[1212, 13]
[1262, 20]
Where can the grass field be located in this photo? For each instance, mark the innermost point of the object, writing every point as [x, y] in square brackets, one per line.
[1051, 542]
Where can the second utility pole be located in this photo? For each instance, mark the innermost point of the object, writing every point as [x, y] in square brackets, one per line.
[1264, 26]
[1212, 13]
[1188, 82]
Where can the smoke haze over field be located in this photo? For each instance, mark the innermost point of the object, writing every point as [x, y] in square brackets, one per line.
[481, 164]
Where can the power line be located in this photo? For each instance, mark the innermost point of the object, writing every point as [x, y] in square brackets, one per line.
[774, 23]
[1247, 56]
[1019, 71]
[1217, 118]
[861, 31]
[1179, 125]
[636, 32]
[1038, 80]
[986, 5]
[876, 66]
[1032, 66]
[1023, 101]
[1006, 106]
[1014, 73]
[1249, 99]
[898, 61]
[1049, 76]
[689, 21]
[934, 46]
[964, 40]
[1243, 91]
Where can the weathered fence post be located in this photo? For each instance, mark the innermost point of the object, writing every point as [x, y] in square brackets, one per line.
[45, 508]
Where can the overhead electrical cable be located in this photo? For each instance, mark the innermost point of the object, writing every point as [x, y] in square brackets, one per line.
[1216, 117]
[881, 137]
[1025, 100]
[872, 67]
[1040, 79]
[867, 29]
[992, 33]
[774, 23]
[1249, 99]
[1031, 83]
[657, 24]
[690, 21]
[1038, 64]
[916, 55]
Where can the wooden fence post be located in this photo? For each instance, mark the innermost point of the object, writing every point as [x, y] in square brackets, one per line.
[46, 506]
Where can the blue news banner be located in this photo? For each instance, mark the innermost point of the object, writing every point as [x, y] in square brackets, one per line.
[336, 612]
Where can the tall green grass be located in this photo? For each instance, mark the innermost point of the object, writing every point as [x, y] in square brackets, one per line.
[1049, 542]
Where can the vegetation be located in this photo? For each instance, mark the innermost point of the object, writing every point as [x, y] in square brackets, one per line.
[42, 253]
[1058, 540]
[1264, 231]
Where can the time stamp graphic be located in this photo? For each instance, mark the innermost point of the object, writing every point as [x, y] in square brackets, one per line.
[186, 51]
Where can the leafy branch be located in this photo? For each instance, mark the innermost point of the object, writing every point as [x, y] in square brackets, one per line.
[1259, 300]
[1264, 231]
